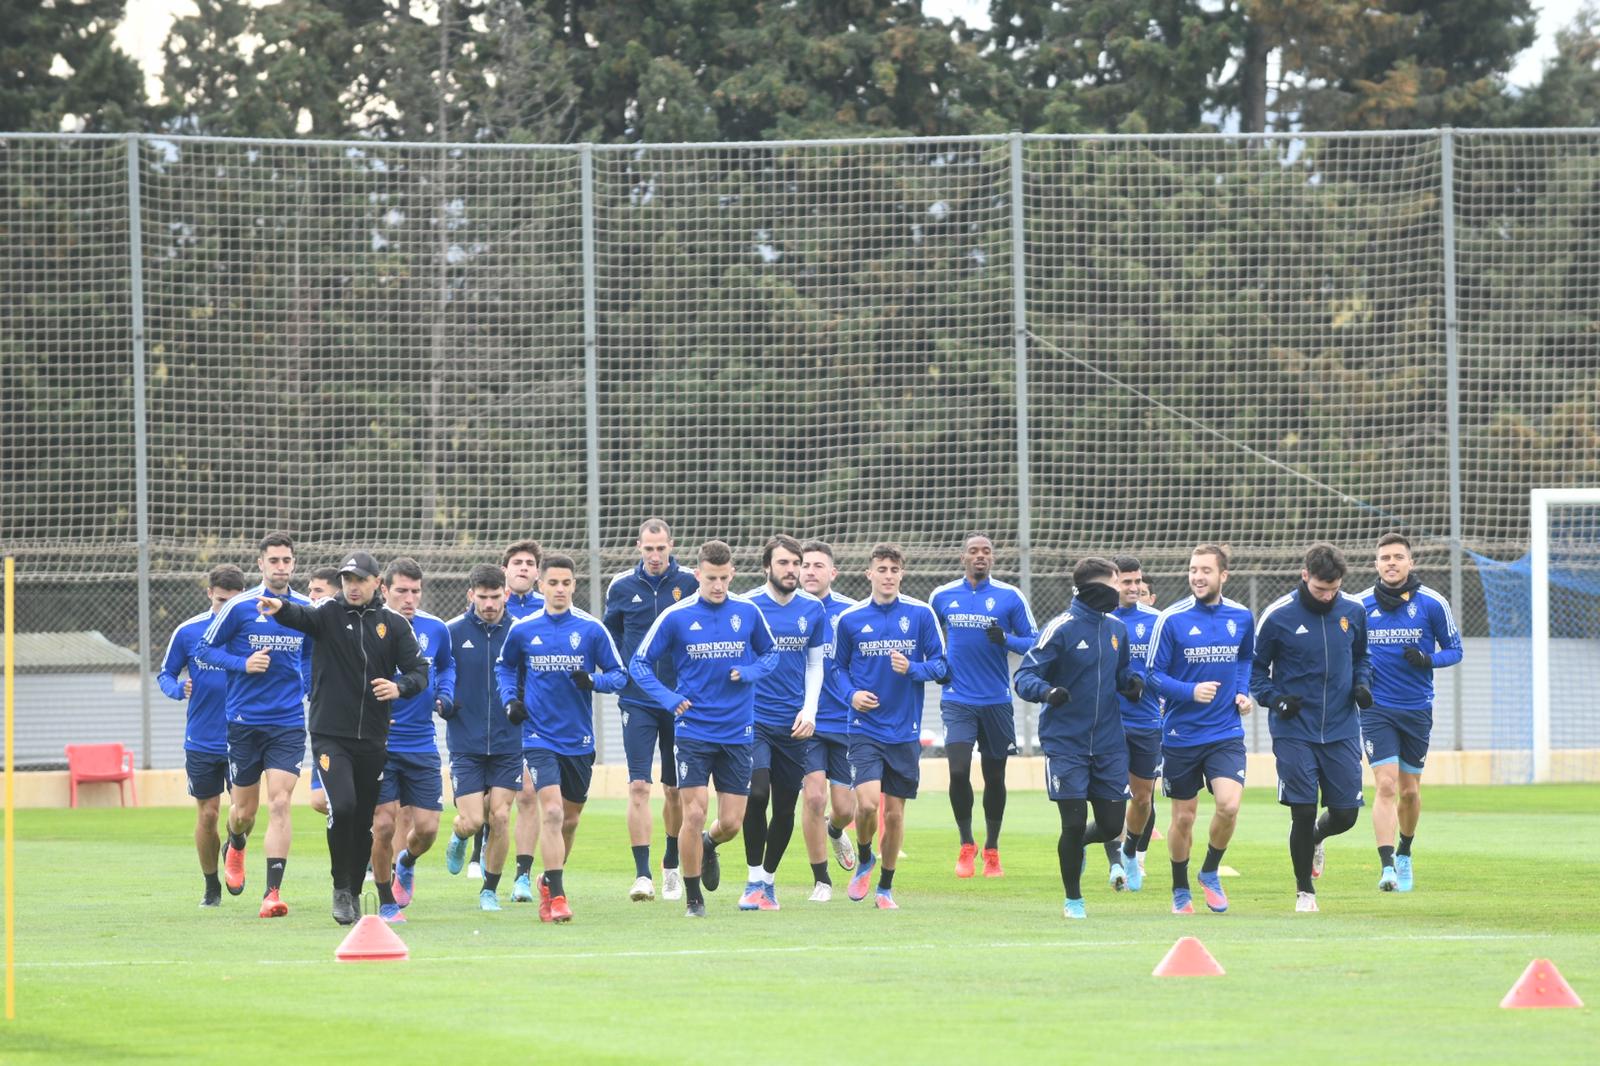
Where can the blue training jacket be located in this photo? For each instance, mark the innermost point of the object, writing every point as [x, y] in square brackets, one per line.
[800, 628]
[1425, 622]
[634, 600]
[536, 665]
[275, 698]
[1319, 657]
[1197, 642]
[480, 726]
[704, 641]
[205, 727]
[833, 713]
[866, 635]
[980, 671]
[1143, 716]
[1086, 653]
[411, 729]
[520, 605]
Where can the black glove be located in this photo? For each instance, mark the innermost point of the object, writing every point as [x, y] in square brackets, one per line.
[1134, 689]
[584, 680]
[1286, 707]
[444, 707]
[517, 711]
[1057, 696]
[1419, 658]
[1362, 695]
[996, 634]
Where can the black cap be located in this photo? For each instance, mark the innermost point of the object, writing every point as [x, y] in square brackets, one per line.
[361, 564]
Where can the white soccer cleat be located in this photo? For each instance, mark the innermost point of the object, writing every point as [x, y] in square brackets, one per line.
[671, 883]
[844, 851]
[1305, 903]
[474, 871]
[1318, 858]
[821, 894]
[643, 890]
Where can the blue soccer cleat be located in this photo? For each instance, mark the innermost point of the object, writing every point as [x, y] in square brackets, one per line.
[405, 879]
[1388, 880]
[1402, 873]
[751, 900]
[1131, 871]
[1181, 901]
[488, 901]
[455, 854]
[884, 900]
[522, 890]
[861, 883]
[769, 896]
[1211, 885]
[1073, 908]
[1119, 877]
[391, 913]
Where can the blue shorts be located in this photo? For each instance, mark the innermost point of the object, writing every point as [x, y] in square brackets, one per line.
[1186, 769]
[1303, 767]
[1397, 736]
[775, 750]
[830, 753]
[253, 749]
[646, 730]
[414, 779]
[992, 727]
[571, 772]
[896, 766]
[700, 762]
[470, 774]
[1084, 776]
[316, 777]
[207, 773]
[1144, 753]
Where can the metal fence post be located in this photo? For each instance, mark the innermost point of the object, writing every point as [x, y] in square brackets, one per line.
[1019, 316]
[591, 396]
[141, 465]
[1452, 359]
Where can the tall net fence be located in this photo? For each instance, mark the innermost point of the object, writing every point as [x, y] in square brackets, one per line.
[1076, 345]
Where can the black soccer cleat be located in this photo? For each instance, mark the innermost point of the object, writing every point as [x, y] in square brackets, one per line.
[345, 911]
[695, 909]
[710, 866]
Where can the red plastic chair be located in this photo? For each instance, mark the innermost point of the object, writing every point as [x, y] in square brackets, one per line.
[101, 762]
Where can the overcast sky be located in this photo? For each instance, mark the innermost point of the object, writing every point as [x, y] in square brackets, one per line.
[145, 27]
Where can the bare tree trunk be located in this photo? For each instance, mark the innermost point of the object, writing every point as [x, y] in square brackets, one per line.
[1253, 81]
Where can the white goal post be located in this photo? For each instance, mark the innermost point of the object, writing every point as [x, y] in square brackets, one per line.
[1540, 503]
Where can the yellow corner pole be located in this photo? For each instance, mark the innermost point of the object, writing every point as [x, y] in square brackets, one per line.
[11, 788]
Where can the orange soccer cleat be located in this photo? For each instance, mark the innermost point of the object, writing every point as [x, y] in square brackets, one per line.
[272, 906]
[966, 860]
[991, 863]
[233, 868]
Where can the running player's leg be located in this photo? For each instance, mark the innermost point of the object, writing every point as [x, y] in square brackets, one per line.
[671, 808]
[527, 838]
[280, 799]
[958, 753]
[814, 829]
[1225, 776]
[900, 778]
[1184, 775]
[788, 782]
[1069, 852]
[997, 741]
[421, 801]
[207, 843]
[384, 818]
[755, 816]
[246, 765]
[498, 844]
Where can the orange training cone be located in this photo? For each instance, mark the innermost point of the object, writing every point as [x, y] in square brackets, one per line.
[1541, 985]
[1188, 958]
[372, 941]
[1155, 834]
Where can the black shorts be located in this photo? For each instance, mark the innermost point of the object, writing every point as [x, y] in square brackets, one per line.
[571, 772]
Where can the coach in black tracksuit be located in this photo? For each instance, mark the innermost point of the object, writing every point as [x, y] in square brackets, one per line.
[364, 657]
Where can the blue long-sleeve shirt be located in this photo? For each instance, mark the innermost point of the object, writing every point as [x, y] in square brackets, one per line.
[520, 605]
[833, 713]
[1144, 714]
[1194, 643]
[411, 720]
[480, 726]
[1424, 622]
[800, 628]
[634, 600]
[1086, 653]
[205, 727]
[276, 697]
[980, 671]
[866, 636]
[542, 651]
[1319, 657]
[704, 641]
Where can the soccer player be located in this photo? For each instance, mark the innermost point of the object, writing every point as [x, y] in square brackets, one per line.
[786, 721]
[411, 777]
[1076, 673]
[1311, 672]
[1200, 655]
[205, 730]
[1141, 725]
[720, 648]
[885, 649]
[322, 585]
[265, 707]
[485, 747]
[984, 619]
[830, 749]
[552, 663]
[634, 600]
[521, 563]
[1410, 634]
[364, 657]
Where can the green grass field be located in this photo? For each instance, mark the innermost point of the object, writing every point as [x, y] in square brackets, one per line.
[115, 961]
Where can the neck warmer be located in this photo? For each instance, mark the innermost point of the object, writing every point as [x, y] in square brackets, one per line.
[1394, 598]
[1099, 597]
[1314, 605]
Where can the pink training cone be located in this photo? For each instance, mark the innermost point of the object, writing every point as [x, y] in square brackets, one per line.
[1188, 958]
[372, 941]
[1541, 985]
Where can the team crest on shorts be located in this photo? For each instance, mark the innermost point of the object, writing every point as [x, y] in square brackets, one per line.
[737, 623]
[905, 625]
[383, 630]
[322, 761]
[1344, 624]
[575, 639]
[1233, 628]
